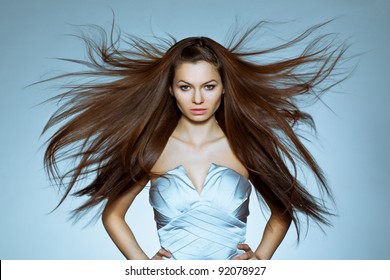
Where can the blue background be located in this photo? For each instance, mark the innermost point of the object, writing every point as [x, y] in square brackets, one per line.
[352, 148]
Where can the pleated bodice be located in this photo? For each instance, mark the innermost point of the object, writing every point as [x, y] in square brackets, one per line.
[201, 225]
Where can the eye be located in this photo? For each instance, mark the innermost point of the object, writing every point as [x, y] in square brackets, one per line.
[185, 88]
[209, 87]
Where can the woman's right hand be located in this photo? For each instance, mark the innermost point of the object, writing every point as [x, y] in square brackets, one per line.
[160, 254]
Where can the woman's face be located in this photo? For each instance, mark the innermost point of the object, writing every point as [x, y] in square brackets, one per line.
[198, 90]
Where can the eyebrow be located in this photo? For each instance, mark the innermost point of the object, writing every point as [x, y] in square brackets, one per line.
[191, 84]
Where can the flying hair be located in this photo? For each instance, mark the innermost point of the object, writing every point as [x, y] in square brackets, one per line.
[116, 126]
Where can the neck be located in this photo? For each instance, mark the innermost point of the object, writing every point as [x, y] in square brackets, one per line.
[197, 133]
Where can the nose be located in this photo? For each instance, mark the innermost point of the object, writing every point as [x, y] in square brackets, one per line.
[197, 98]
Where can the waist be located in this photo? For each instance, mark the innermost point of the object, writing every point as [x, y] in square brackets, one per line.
[202, 240]
[191, 253]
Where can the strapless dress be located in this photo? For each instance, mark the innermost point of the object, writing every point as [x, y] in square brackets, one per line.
[205, 225]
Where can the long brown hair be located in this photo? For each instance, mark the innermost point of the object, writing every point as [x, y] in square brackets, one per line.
[116, 129]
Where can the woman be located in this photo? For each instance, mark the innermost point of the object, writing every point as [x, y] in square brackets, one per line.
[202, 122]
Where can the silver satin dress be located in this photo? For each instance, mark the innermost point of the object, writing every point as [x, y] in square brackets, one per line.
[201, 226]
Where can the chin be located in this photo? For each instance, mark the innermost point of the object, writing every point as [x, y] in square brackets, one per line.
[200, 118]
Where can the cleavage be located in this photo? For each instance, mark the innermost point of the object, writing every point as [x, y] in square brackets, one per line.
[198, 187]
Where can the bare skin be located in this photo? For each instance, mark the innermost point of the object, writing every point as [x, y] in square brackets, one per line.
[196, 142]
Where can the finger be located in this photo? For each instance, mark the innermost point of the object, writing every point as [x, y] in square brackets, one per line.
[157, 257]
[165, 253]
[244, 247]
[243, 256]
[248, 252]
[237, 258]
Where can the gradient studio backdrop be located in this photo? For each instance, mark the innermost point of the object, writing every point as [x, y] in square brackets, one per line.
[352, 146]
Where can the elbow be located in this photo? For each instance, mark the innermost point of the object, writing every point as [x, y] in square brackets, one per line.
[105, 218]
[284, 218]
[288, 220]
[108, 217]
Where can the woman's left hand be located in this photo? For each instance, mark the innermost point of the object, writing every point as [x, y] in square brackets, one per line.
[248, 255]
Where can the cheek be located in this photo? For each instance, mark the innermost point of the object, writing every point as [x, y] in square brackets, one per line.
[217, 100]
[181, 101]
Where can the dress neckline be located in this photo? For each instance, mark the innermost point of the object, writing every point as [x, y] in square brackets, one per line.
[211, 167]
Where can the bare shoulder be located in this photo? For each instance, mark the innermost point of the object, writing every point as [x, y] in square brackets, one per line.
[222, 154]
[218, 151]
[170, 157]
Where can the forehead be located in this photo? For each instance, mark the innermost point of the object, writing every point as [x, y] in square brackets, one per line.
[196, 72]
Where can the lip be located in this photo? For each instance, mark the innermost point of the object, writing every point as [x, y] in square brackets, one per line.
[198, 111]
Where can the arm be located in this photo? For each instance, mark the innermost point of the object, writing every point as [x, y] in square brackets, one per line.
[114, 222]
[274, 233]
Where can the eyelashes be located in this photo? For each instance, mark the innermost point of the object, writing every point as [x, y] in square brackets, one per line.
[187, 87]
[210, 87]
